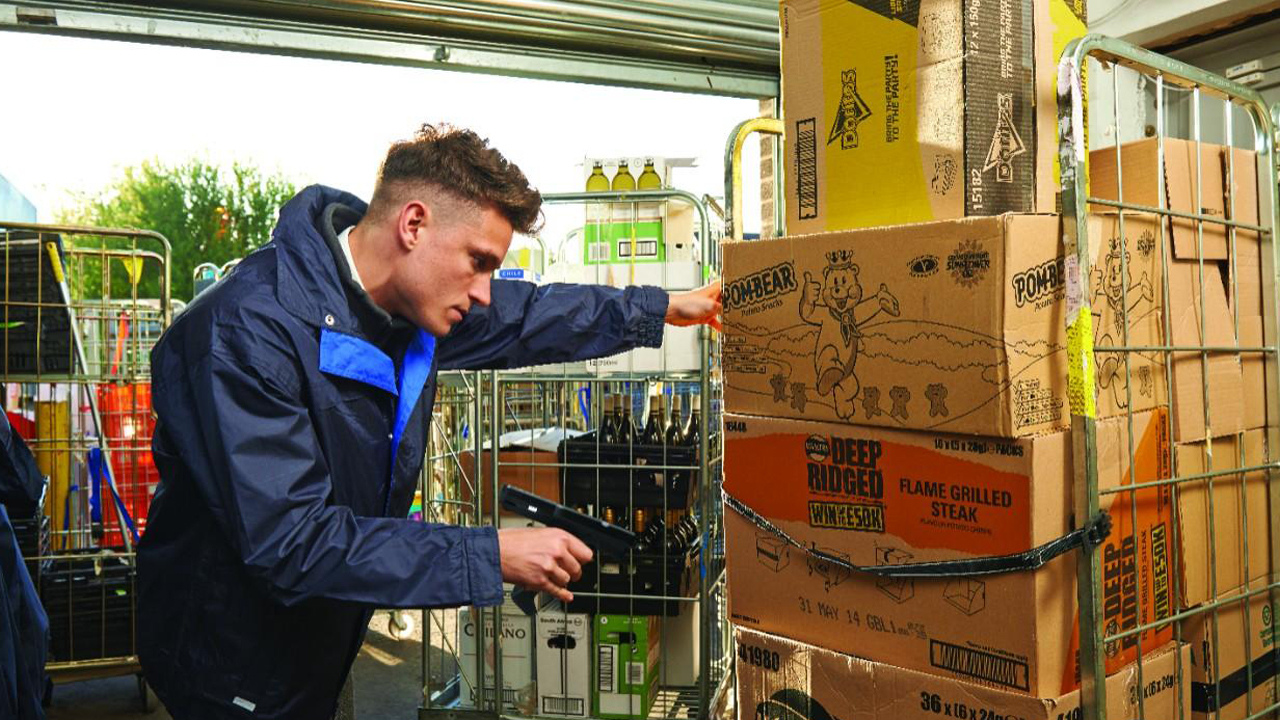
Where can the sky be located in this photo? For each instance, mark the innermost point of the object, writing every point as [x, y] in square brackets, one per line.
[77, 111]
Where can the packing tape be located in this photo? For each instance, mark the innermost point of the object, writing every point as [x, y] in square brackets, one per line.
[1080, 364]
[1069, 83]
[1088, 538]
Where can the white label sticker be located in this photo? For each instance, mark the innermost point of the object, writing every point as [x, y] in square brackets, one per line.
[244, 704]
[1075, 288]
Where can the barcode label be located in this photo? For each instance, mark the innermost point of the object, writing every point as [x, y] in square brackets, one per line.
[563, 706]
[508, 696]
[604, 661]
[635, 673]
[598, 251]
[807, 168]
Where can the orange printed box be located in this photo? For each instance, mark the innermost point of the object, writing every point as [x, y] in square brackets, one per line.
[873, 496]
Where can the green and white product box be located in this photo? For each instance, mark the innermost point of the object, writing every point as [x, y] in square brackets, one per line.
[626, 666]
[519, 694]
[564, 664]
[631, 231]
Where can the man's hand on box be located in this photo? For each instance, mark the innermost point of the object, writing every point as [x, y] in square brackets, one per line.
[542, 559]
[696, 307]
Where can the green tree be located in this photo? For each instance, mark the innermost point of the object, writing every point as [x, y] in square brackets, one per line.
[207, 212]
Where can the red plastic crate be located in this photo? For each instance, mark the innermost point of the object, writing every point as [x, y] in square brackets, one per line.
[127, 426]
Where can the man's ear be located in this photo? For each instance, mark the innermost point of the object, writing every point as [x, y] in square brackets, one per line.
[413, 220]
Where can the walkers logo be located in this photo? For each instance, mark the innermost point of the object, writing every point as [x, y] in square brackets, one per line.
[852, 111]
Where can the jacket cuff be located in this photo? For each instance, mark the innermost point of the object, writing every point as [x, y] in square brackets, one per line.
[484, 566]
[653, 303]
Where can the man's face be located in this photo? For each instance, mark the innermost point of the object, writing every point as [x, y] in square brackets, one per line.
[450, 268]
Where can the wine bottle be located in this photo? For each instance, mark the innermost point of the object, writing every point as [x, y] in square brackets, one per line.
[653, 434]
[673, 430]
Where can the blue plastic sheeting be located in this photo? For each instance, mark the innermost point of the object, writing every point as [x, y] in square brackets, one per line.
[14, 206]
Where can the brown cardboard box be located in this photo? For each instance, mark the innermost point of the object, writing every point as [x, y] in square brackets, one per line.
[1243, 199]
[1244, 649]
[536, 471]
[919, 110]
[1227, 283]
[1237, 501]
[876, 496]
[1225, 380]
[1253, 372]
[956, 325]
[1139, 168]
[780, 679]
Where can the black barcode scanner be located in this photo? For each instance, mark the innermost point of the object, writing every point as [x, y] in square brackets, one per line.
[604, 538]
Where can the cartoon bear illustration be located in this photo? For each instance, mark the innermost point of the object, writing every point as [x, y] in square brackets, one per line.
[1110, 280]
[837, 307]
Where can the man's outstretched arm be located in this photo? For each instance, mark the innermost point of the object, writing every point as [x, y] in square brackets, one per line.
[527, 324]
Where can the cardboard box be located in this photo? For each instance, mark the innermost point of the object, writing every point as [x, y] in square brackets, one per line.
[1229, 647]
[519, 693]
[1141, 178]
[536, 471]
[956, 326]
[1238, 501]
[783, 679]
[1192, 370]
[627, 648]
[564, 664]
[1230, 286]
[874, 496]
[915, 111]
[1253, 373]
[1228, 187]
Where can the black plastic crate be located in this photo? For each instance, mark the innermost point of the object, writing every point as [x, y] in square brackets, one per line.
[644, 476]
[90, 604]
[27, 278]
[642, 577]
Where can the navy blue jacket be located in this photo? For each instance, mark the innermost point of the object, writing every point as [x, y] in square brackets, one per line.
[24, 628]
[293, 416]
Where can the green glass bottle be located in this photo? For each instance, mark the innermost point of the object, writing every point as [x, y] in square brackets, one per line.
[597, 182]
[649, 179]
[622, 180]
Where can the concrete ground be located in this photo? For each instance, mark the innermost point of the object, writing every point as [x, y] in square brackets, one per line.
[388, 682]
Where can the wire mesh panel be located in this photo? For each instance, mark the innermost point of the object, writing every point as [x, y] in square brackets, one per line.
[633, 442]
[1181, 180]
[80, 309]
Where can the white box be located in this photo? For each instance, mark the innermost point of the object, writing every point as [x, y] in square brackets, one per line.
[680, 352]
[685, 275]
[682, 645]
[519, 692]
[564, 664]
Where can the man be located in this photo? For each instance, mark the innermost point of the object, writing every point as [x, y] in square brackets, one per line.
[294, 403]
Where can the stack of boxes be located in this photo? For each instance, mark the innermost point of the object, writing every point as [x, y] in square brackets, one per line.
[641, 243]
[565, 664]
[899, 393]
[1225, 531]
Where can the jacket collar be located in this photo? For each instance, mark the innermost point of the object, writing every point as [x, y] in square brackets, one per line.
[308, 283]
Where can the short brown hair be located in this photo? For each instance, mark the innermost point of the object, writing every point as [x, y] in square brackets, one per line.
[459, 163]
